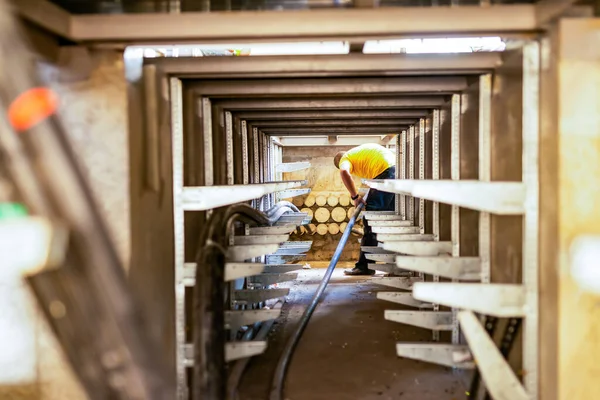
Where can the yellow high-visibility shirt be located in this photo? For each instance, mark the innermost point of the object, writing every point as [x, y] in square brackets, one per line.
[367, 161]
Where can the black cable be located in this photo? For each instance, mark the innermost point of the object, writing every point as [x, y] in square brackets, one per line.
[210, 372]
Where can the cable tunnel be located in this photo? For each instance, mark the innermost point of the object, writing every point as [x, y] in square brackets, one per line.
[238, 215]
[217, 131]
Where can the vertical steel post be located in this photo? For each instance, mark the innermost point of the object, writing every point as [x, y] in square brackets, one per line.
[402, 167]
[411, 171]
[422, 174]
[178, 224]
[485, 170]
[455, 175]
[435, 175]
[531, 138]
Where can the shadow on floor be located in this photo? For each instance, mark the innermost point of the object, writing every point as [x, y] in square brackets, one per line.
[348, 349]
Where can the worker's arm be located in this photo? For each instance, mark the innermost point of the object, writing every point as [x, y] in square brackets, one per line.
[349, 183]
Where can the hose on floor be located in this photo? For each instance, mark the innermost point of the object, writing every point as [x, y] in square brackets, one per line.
[288, 351]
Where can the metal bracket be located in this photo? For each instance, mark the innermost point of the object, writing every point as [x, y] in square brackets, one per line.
[448, 355]
[396, 229]
[250, 296]
[267, 279]
[403, 298]
[292, 167]
[435, 320]
[203, 198]
[405, 237]
[242, 253]
[461, 268]
[236, 319]
[499, 300]
[260, 239]
[397, 282]
[272, 230]
[289, 193]
[419, 248]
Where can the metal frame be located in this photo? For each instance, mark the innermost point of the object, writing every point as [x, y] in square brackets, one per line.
[351, 130]
[495, 299]
[531, 173]
[485, 158]
[334, 86]
[411, 171]
[270, 26]
[435, 175]
[334, 103]
[318, 25]
[265, 155]
[178, 224]
[455, 213]
[422, 174]
[358, 114]
[402, 138]
[331, 65]
[331, 124]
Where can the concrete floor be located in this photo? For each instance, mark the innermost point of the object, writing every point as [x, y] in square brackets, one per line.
[347, 350]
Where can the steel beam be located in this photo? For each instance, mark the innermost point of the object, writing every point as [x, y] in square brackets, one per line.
[334, 130]
[317, 25]
[331, 86]
[46, 15]
[292, 123]
[330, 114]
[333, 103]
[330, 65]
[354, 140]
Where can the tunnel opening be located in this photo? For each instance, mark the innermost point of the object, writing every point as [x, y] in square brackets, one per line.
[262, 130]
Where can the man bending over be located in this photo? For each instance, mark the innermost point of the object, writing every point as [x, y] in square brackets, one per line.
[367, 161]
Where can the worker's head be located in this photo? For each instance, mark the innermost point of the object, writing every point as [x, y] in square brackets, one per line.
[337, 158]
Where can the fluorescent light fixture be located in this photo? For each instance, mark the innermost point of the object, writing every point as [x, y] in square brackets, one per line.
[256, 49]
[434, 45]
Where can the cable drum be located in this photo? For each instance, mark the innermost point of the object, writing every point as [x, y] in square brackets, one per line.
[338, 214]
[332, 200]
[321, 200]
[322, 215]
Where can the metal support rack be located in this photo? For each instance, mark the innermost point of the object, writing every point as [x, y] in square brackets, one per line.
[492, 198]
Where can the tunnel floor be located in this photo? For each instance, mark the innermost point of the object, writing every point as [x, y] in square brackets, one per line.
[348, 349]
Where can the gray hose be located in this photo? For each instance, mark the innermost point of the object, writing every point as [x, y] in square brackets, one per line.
[280, 204]
[288, 351]
[273, 218]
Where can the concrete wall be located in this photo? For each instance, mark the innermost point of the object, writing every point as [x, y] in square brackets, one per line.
[94, 111]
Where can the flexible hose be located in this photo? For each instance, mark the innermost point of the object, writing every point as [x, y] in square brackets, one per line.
[288, 351]
[281, 211]
[280, 204]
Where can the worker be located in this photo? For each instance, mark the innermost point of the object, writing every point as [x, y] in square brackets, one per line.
[367, 161]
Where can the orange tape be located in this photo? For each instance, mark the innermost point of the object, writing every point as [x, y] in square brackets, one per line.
[31, 108]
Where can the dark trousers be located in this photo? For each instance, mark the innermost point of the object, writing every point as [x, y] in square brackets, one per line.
[376, 201]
